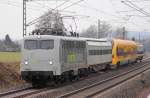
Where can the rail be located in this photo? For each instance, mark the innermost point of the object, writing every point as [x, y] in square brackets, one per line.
[25, 87]
[89, 91]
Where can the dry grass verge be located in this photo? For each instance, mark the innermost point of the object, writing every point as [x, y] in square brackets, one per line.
[9, 75]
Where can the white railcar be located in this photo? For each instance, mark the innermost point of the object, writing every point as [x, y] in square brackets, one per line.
[99, 53]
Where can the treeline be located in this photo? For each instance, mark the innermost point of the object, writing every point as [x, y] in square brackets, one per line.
[7, 45]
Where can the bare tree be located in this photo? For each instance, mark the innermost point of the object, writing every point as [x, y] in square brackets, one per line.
[92, 31]
[105, 29]
[121, 33]
[51, 23]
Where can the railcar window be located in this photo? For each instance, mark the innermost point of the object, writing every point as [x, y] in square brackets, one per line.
[99, 52]
[69, 44]
[30, 44]
[39, 44]
[46, 44]
[80, 44]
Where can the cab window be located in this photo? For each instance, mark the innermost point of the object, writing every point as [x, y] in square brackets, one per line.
[46, 44]
[30, 44]
[38, 44]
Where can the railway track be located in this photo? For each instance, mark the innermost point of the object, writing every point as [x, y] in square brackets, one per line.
[29, 91]
[22, 92]
[101, 86]
[19, 89]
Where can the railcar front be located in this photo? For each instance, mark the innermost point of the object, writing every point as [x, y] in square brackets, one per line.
[123, 52]
[40, 58]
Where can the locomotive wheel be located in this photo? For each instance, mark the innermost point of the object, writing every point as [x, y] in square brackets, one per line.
[77, 78]
[34, 85]
[107, 67]
[90, 69]
[80, 72]
[86, 72]
[71, 76]
[58, 80]
[38, 84]
[83, 72]
[62, 79]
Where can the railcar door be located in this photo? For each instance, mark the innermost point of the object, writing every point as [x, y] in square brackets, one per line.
[73, 55]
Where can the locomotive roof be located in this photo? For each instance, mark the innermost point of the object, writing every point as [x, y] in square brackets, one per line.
[64, 37]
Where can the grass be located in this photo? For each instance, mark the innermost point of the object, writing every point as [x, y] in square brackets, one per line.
[10, 57]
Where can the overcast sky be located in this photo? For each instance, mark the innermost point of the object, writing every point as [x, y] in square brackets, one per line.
[112, 11]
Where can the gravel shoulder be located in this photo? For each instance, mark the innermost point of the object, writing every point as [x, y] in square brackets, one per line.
[9, 75]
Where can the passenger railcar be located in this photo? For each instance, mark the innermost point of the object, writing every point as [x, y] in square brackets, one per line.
[123, 52]
[56, 58]
[99, 54]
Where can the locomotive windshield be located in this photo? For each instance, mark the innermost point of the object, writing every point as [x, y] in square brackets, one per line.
[30, 44]
[39, 44]
[46, 44]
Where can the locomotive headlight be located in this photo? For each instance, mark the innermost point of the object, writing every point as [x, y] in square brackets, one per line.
[50, 62]
[26, 63]
[39, 36]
